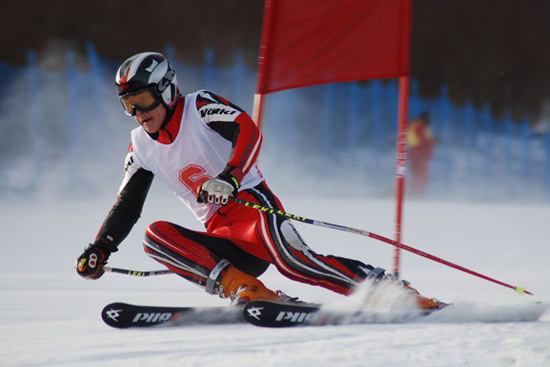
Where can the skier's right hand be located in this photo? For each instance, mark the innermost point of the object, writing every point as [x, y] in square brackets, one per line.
[90, 264]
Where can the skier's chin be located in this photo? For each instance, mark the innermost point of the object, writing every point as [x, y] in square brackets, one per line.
[149, 125]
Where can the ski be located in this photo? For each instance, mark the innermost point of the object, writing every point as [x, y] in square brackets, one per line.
[290, 314]
[123, 315]
[280, 314]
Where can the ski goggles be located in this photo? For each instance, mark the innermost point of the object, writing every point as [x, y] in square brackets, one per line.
[143, 100]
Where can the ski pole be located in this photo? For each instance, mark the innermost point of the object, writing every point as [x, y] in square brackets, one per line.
[136, 273]
[520, 290]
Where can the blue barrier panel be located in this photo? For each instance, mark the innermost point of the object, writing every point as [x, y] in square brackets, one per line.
[487, 171]
[353, 127]
[509, 183]
[94, 92]
[34, 120]
[377, 134]
[238, 72]
[73, 117]
[327, 128]
[169, 53]
[209, 70]
[526, 161]
[469, 151]
[546, 182]
[445, 133]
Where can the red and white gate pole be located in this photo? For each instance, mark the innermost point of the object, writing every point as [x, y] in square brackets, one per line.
[404, 83]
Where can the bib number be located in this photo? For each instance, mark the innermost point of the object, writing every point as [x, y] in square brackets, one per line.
[193, 177]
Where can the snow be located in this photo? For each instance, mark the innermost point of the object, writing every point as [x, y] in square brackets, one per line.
[49, 316]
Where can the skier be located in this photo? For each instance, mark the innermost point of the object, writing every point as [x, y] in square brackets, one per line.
[205, 148]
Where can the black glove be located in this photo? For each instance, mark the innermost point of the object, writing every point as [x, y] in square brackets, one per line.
[90, 264]
[219, 189]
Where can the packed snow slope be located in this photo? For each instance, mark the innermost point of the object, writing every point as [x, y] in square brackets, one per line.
[49, 316]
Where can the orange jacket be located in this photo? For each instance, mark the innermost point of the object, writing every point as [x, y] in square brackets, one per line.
[419, 134]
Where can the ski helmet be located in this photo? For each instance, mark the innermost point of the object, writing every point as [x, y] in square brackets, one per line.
[148, 70]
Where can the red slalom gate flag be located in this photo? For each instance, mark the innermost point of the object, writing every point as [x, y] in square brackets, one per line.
[309, 42]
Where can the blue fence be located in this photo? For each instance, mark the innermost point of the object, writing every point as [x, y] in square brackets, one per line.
[59, 126]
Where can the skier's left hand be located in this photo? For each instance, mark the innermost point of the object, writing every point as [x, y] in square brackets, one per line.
[219, 189]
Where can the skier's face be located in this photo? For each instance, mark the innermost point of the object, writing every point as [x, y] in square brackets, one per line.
[152, 120]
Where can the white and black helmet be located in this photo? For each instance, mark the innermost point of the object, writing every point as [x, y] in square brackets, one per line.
[148, 70]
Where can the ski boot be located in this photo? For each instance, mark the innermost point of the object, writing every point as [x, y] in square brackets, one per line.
[240, 287]
[424, 303]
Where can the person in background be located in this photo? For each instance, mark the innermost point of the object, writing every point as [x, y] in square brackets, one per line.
[420, 145]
